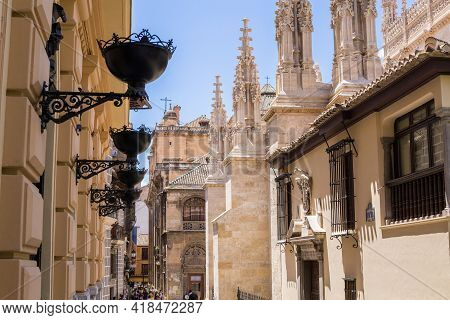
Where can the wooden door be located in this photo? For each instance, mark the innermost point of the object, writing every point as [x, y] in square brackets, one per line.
[197, 285]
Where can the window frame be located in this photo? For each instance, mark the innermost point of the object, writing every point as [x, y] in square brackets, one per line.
[427, 123]
[351, 292]
[144, 257]
[284, 204]
[342, 187]
[189, 217]
[143, 269]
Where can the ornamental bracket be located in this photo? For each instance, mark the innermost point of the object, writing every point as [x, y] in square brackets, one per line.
[61, 106]
[354, 236]
[109, 196]
[105, 211]
[86, 169]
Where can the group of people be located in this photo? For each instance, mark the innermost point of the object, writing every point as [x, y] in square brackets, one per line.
[144, 292]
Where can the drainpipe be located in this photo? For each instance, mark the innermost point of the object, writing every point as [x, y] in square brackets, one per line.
[48, 235]
[5, 24]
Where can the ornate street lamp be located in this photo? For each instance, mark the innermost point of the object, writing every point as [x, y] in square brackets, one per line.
[136, 60]
[133, 255]
[129, 141]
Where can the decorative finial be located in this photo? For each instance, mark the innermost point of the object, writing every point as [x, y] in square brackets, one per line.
[246, 49]
[218, 93]
[404, 6]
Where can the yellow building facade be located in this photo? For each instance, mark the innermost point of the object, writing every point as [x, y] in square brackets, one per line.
[52, 241]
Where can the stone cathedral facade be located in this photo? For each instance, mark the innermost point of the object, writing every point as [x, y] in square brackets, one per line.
[310, 197]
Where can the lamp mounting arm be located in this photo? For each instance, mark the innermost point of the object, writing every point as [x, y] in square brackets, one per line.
[60, 106]
[86, 169]
[105, 211]
[109, 196]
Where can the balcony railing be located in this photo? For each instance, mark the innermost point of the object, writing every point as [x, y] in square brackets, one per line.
[242, 295]
[417, 196]
[194, 226]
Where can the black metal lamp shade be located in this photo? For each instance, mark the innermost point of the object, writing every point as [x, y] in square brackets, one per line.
[137, 60]
[131, 142]
[132, 177]
[132, 195]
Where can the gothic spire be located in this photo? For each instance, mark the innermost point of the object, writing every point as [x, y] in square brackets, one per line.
[218, 122]
[246, 91]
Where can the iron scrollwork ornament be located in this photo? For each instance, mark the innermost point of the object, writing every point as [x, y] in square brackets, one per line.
[108, 196]
[143, 37]
[105, 211]
[86, 169]
[339, 239]
[60, 106]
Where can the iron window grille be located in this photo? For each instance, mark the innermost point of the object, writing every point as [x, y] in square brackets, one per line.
[417, 188]
[194, 210]
[144, 254]
[350, 289]
[343, 220]
[144, 270]
[284, 204]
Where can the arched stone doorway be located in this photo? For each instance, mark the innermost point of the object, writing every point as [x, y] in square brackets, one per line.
[193, 269]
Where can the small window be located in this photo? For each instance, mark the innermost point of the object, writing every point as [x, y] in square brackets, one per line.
[144, 269]
[418, 141]
[144, 253]
[284, 204]
[350, 289]
[194, 210]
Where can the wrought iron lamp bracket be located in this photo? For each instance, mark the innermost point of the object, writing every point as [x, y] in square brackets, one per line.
[354, 236]
[287, 245]
[61, 106]
[104, 211]
[109, 196]
[86, 169]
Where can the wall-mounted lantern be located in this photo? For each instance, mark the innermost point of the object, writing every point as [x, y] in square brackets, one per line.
[136, 60]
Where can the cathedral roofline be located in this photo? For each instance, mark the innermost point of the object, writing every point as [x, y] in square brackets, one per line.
[419, 68]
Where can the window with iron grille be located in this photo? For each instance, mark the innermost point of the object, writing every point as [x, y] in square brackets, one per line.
[284, 208]
[194, 210]
[144, 253]
[144, 269]
[417, 161]
[342, 188]
[350, 289]
[114, 264]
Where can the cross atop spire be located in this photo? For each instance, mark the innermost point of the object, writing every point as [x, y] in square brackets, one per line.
[166, 100]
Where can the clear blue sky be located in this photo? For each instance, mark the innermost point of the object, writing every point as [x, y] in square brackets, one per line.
[207, 33]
